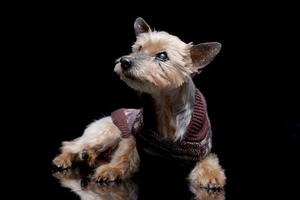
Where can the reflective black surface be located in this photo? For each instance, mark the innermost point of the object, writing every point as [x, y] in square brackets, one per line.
[84, 188]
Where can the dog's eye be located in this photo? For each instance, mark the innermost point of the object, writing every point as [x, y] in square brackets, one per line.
[162, 56]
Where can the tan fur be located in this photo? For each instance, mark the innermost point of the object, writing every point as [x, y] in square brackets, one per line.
[167, 106]
[164, 77]
[166, 119]
[124, 163]
[103, 147]
[99, 136]
[96, 157]
[208, 172]
[152, 47]
[65, 159]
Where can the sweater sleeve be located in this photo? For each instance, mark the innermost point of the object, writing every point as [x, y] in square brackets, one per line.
[129, 121]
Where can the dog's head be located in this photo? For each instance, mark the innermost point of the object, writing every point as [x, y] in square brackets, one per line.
[160, 61]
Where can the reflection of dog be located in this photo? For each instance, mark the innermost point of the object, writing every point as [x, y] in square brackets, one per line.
[173, 123]
[126, 190]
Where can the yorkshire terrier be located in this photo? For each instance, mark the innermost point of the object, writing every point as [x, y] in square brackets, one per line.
[173, 124]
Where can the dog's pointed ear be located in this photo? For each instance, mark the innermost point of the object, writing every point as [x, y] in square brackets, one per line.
[140, 26]
[202, 54]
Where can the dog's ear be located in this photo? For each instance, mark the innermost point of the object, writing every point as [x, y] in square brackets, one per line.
[140, 26]
[202, 54]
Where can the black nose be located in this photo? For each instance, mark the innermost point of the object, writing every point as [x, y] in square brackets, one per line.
[125, 63]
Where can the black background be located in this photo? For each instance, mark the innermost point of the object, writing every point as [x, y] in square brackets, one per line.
[58, 77]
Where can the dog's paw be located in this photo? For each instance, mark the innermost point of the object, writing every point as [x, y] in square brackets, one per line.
[91, 156]
[63, 161]
[88, 155]
[212, 179]
[216, 182]
[107, 174]
[96, 155]
[208, 174]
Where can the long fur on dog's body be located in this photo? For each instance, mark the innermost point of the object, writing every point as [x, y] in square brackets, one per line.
[170, 85]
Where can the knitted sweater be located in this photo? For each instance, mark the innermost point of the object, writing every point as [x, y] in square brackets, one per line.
[194, 146]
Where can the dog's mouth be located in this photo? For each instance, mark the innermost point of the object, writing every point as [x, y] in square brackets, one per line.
[129, 75]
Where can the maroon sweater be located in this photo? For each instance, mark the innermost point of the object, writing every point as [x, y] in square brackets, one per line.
[194, 146]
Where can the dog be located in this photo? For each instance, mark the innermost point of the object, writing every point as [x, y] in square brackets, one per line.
[173, 123]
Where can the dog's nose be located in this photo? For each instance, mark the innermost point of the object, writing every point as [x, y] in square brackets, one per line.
[125, 63]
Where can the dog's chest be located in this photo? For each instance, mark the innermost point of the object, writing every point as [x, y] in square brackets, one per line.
[141, 123]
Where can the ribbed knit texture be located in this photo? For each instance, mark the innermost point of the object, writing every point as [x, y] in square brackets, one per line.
[194, 146]
[199, 123]
[120, 120]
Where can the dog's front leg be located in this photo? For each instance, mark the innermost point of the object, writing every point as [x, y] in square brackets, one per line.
[98, 137]
[124, 163]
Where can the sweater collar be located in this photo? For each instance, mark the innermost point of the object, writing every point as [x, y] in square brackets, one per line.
[198, 126]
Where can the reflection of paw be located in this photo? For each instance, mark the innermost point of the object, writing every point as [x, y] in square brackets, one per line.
[63, 175]
[202, 193]
[63, 161]
[121, 190]
[107, 187]
[106, 174]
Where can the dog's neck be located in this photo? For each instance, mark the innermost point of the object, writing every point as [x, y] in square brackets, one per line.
[173, 110]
